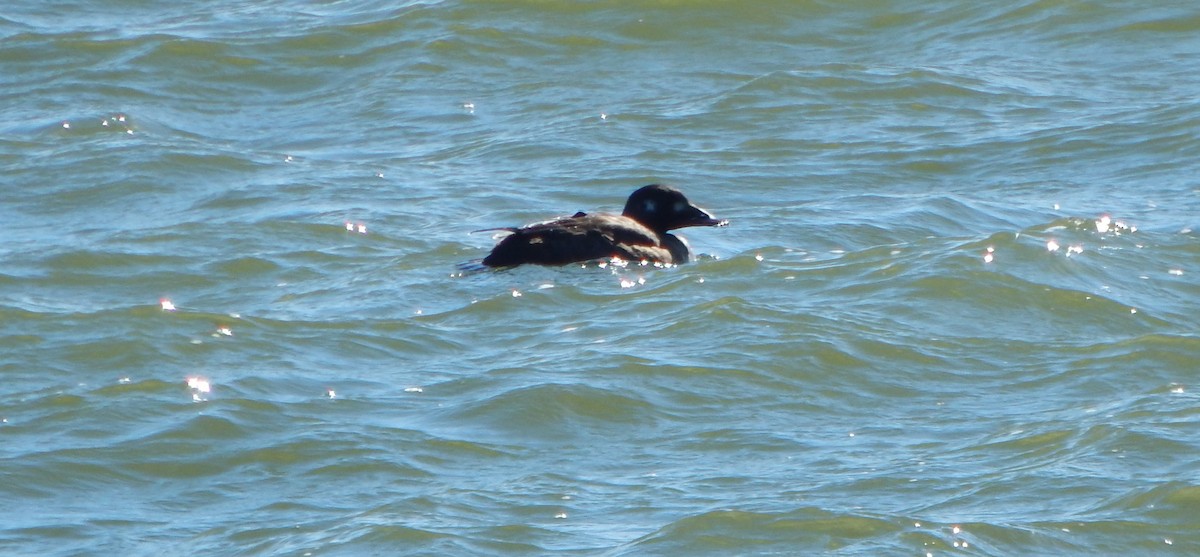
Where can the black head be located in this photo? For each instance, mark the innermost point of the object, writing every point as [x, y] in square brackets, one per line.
[662, 208]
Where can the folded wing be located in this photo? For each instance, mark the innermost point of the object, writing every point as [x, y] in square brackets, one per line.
[580, 238]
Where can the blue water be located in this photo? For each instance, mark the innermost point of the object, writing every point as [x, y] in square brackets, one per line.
[955, 312]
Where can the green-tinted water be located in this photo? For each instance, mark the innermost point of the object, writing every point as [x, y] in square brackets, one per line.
[955, 312]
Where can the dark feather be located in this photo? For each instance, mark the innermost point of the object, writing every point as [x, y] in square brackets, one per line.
[639, 234]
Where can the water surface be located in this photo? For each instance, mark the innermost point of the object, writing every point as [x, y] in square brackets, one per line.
[955, 311]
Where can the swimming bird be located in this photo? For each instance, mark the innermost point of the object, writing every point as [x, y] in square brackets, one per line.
[639, 233]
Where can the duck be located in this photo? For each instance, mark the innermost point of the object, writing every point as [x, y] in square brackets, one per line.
[639, 234]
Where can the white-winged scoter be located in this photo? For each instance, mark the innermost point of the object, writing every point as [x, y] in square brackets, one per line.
[639, 233]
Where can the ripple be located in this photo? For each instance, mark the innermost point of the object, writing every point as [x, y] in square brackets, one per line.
[560, 411]
[730, 530]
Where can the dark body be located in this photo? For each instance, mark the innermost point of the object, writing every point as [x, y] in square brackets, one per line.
[639, 233]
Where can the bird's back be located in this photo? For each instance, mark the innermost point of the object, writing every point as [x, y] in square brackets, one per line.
[583, 238]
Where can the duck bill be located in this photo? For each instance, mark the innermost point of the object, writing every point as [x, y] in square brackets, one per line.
[699, 217]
